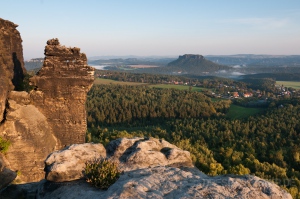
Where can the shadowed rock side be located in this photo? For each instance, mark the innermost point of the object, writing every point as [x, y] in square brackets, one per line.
[6, 175]
[11, 61]
[61, 88]
[152, 168]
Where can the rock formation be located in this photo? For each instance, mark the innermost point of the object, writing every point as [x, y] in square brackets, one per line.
[170, 183]
[11, 61]
[140, 153]
[171, 175]
[60, 167]
[194, 64]
[61, 89]
[49, 117]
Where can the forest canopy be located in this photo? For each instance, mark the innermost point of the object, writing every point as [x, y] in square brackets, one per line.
[266, 145]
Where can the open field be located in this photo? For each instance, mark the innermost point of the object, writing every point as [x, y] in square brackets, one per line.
[288, 84]
[143, 66]
[180, 87]
[239, 112]
[110, 81]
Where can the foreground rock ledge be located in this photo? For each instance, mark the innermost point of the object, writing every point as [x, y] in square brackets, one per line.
[168, 182]
[153, 168]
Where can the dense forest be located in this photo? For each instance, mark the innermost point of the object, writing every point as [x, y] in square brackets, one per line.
[266, 145]
[121, 104]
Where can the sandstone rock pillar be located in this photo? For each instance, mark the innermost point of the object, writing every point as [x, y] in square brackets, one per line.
[61, 88]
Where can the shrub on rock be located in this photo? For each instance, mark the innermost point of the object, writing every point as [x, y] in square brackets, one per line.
[4, 144]
[101, 173]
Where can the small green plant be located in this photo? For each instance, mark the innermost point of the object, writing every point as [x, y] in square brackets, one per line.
[4, 144]
[101, 173]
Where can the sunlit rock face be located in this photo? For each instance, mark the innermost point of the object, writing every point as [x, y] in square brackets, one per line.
[61, 88]
[11, 61]
[50, 116]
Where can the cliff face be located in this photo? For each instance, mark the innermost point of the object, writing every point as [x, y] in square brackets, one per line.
[50, 116]
[61, 88]
[11, 61]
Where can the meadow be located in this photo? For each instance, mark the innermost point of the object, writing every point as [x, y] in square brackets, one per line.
[295, 85]
[180, 87]
[239, 112]
[110, 81]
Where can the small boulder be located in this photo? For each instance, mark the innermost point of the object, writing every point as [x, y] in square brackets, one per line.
[68, 164]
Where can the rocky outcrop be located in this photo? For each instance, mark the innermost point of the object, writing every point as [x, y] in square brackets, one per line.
[169, 182]
[61, 88]
[170, 175]
[50, 116]
[140, 153]
[131, 154]
[68, 164]
[11, 61]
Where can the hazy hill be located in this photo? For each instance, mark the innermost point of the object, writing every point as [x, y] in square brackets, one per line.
[194, 64]
[158, 61]
[256, 60]
[34, 63]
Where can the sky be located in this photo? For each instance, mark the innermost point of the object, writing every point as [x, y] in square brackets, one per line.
[158, 27]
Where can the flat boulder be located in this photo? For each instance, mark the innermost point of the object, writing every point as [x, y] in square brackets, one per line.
[68, 164]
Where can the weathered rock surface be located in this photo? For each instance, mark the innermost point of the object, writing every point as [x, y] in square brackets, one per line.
[30, 136]
[136, 153]
[11, 61]
[69, 163]
[170, 175]
[169, 182]
[49, 117]
[139, 153]
[61, 89]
